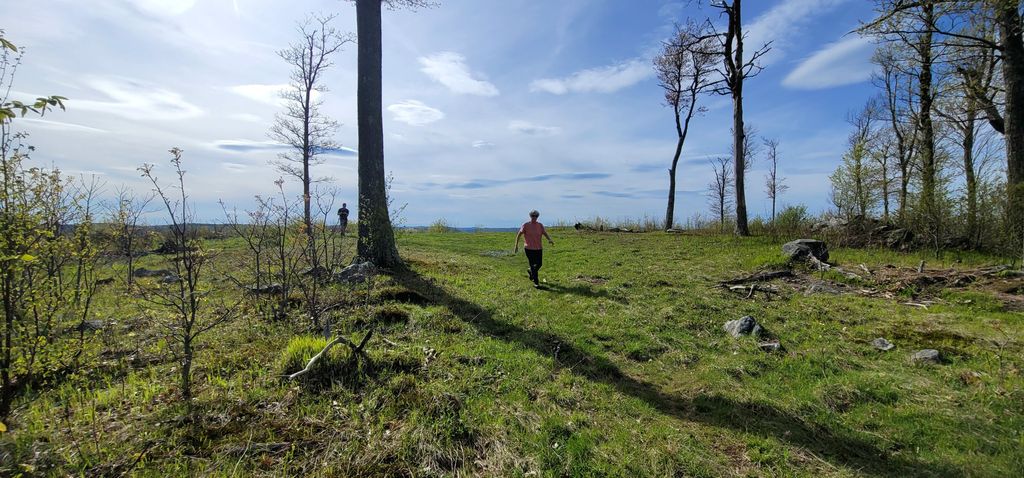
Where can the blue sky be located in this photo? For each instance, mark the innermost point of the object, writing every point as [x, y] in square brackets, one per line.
[492, 107]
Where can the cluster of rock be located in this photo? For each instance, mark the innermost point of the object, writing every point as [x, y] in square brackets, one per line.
[165, 276]
[353, 274]
[860, 231]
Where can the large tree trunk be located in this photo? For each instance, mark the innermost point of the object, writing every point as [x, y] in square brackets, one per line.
[376, 238]
[928, 169]
[1009, 22]
[681, 135]
[737, 122]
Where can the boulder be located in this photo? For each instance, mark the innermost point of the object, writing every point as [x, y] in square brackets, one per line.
[269, 289]
[830, 223]
[744, 326]
[90, 326]
[318, 272]
[143, 272]
[926, 356]
[356, 273]
[800, 249]
[882, 344]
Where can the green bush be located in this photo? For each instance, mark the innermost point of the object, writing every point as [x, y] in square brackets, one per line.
[440, 225]
[793, 220]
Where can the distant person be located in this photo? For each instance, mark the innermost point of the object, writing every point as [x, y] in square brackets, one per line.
[531, 233]
[343, 218]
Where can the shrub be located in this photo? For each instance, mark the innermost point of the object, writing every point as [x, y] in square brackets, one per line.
[792, 220]
[440, 225]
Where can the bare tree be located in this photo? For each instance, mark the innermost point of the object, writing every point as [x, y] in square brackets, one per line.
[774, 185]
[684, 69]
[376, 235]
[183, 296]
[900, 111]
[720, 189]
[126, 215]
[302, 126]
[736, 68]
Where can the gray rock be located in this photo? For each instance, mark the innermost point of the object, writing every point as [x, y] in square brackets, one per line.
[744, 326]
[269, 289]
[169, 278]
[356, 273]
[143, 272]
[882, 344]
[801, 248]
[318, 272]
[830, 223]
[90, 326]
[927, 356]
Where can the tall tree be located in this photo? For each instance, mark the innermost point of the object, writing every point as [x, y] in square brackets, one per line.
[719, 189]
[302, 126]
[376, 236]
[735, 70]
[900, 111]
[684, 69]
[774, 185]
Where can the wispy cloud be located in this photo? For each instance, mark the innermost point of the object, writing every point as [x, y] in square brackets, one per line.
[135, 100]
[415, 113]
[605, 79]
[528, 128]
[844, 62]
[247, 146]
[783, 22]
[60, 125]
[481, 144]
[489, 183]
[450, 69]
[264, 93]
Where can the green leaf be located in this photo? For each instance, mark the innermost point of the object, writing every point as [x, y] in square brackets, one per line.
[8, 45]
[27, 257]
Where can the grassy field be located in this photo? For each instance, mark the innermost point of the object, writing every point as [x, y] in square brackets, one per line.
[617, 365]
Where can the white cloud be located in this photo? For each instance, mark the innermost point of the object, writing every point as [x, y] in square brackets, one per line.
[481, 144]
[783, 22]
[165, 7]
[415, 113]
[136, 100]
[606, 79]
[450, 69]
[60, 125]
[269, 94]
[251, 118]
[525, 127]
[844, 62]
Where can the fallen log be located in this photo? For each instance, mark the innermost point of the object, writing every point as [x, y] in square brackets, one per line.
[356, 350]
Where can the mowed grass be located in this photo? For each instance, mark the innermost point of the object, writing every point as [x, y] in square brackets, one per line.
[617, 365]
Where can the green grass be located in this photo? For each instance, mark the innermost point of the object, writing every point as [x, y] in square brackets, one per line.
[617, 366]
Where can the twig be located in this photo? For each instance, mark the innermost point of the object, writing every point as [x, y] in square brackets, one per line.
[759, 277]
[753, 287]
[865, 269]
[915, 304]
[920, 267]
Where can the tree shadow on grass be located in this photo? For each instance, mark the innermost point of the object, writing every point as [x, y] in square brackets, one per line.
[581, 290]
[836, 447]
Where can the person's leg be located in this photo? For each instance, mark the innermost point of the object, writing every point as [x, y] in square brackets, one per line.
[534, 257]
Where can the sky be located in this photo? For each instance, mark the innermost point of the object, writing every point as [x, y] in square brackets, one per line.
[491, 107]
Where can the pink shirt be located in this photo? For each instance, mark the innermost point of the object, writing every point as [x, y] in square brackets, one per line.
[532, 232]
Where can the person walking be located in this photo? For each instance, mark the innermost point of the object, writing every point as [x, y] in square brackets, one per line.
[531, 233]
[343, 218]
